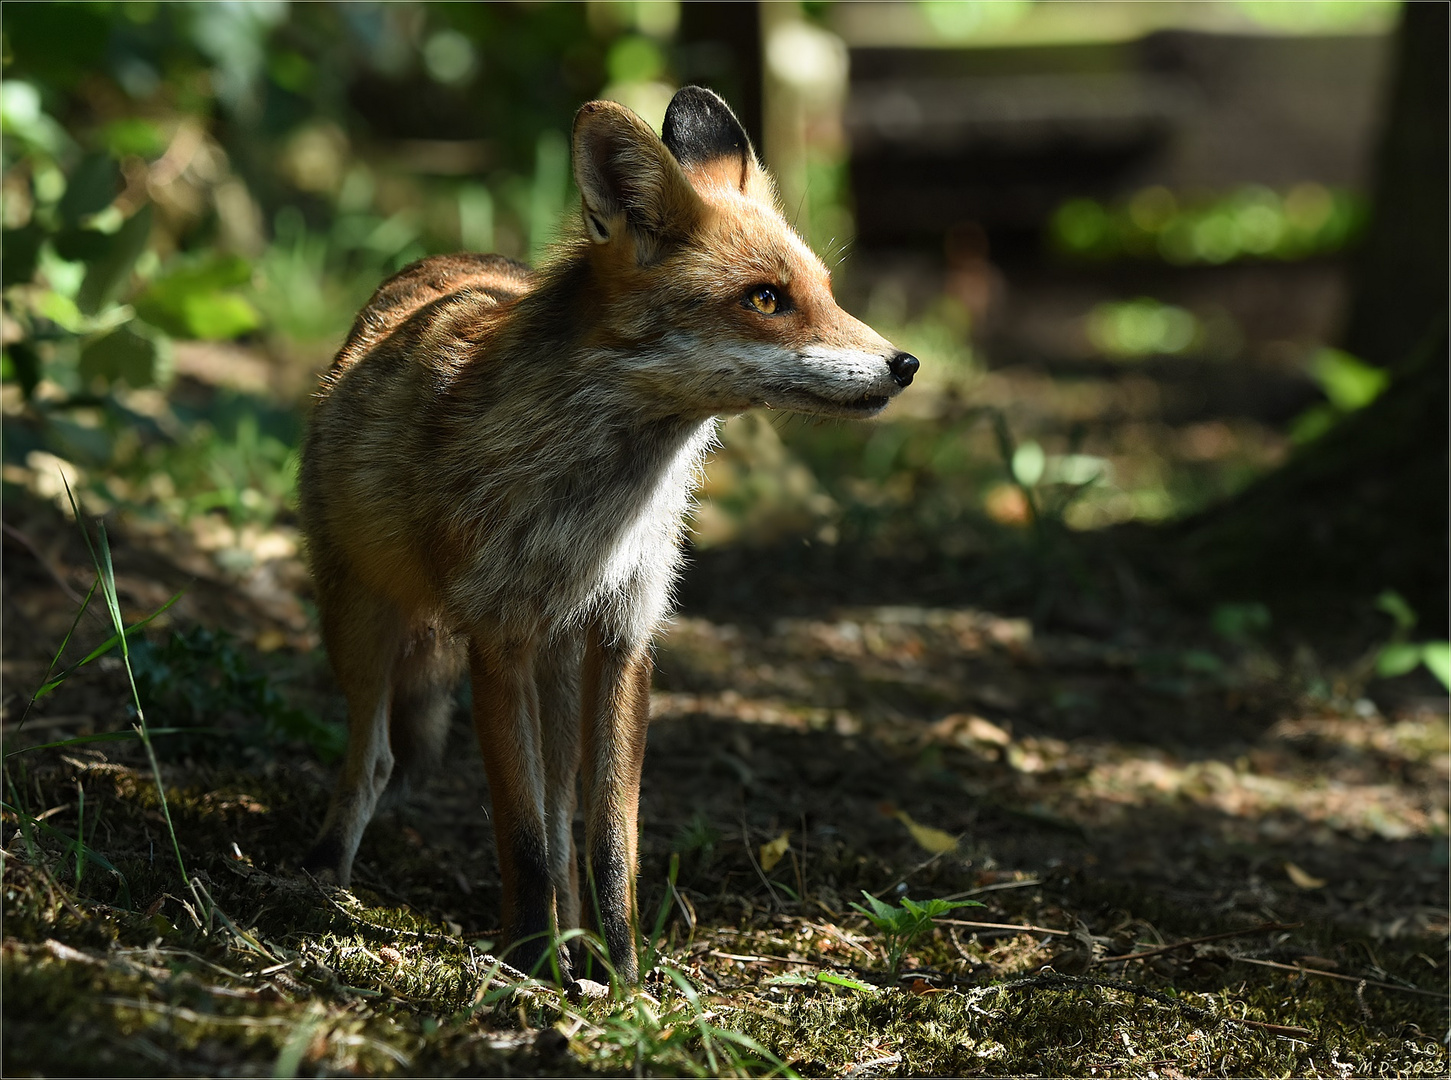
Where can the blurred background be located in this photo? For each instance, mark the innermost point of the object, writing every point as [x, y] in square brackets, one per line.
[1159, 260]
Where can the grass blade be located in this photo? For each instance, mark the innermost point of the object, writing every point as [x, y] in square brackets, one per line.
[48, 686]
[101, 649]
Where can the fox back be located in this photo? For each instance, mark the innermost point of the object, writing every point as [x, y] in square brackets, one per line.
[499, 467]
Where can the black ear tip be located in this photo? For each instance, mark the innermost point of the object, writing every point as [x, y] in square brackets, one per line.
[695, 107]
[699, 126]
[697, 95]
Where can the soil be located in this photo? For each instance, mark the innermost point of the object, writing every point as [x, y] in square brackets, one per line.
[1147, 787]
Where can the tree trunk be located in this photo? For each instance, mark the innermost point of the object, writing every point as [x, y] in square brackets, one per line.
[1364, 508]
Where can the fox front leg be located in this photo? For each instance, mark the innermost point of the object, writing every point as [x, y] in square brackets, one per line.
[615, 684]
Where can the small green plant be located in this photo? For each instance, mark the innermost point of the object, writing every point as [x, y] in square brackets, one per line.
[902, 926]
[1400, 655]
[677, 1036]
[698, 836]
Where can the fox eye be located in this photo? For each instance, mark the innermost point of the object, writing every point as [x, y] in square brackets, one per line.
[764, 299]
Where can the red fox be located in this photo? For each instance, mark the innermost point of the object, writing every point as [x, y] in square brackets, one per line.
[498, 470]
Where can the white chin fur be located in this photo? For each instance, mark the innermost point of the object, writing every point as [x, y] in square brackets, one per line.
[717, 378]
[837, 382]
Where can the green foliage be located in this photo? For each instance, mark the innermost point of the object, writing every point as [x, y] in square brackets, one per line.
[1250, 222]
[1240, 624]
[1400, 655]
[1348, 383]
[902, 926]
[199, 299]
[240, 460]
[199, 679]
[74, 254]
[1131, 329]
[681, 1037]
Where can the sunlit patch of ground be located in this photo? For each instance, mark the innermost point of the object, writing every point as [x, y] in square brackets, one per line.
[1192, 858]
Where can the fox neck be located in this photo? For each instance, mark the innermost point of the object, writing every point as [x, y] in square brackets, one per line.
[585, 481]
[628, 356]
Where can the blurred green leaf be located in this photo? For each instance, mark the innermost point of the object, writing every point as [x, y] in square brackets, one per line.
[635, 59]
[218, 316]
[1436, 655]
[1397, 659]
[59, 309]
[1348, 382]
[21, 115]
[1201, 661]
[197, 301]
[105, 277]
[1313, 423]
[1028, 463]
[22, 364]
[1394, 605]
[1239, 623]
[22, 248]
[217, 272]
[123, 355]
[90, 188]
[134, 135]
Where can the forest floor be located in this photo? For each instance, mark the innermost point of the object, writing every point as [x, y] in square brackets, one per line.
[1198, 849]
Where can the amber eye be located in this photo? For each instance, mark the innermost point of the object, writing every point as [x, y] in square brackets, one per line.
[764, 299]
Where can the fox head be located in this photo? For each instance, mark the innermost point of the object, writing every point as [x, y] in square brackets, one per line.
[716, 302]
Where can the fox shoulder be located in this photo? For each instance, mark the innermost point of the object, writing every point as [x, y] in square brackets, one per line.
[488, 281]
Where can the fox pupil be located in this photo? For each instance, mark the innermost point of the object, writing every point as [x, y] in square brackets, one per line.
[764, 300]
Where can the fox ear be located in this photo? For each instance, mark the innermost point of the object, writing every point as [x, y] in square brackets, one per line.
[628, 181]
[708, 140]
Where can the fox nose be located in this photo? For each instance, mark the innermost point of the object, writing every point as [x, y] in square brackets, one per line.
[903, 366]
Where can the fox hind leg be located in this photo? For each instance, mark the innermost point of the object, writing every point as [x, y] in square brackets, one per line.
[557, 674]
[364, 636]
[506, 719]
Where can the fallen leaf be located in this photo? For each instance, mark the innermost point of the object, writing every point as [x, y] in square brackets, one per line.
[928, 839]
[772, 853]
[270, 641]
[986, 731]
[1302, 879]
[968, 728]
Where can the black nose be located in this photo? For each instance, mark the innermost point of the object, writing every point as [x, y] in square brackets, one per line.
[904, 366]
